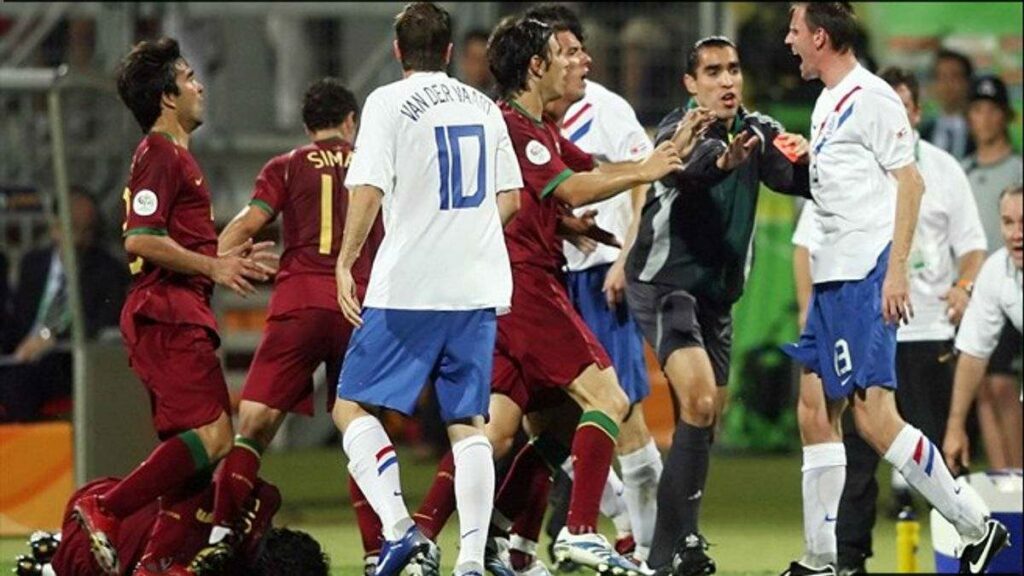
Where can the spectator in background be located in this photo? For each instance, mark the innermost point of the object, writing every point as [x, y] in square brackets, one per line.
[993, 168]
[39, 367]
[952, 81]
[473, 66]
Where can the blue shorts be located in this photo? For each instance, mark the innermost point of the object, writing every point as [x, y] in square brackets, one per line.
[617, 331]
[393, 355]
[846, 342]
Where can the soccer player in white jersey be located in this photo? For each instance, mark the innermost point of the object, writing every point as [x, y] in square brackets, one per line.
[603, 124]
[437, 155]
[948, 230]
[997, 298]
[867, 189]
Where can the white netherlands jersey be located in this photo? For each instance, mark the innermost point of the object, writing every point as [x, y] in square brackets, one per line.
[604, 125]
[997, 298]
[947, 228]
[440, 152]
[859, 133]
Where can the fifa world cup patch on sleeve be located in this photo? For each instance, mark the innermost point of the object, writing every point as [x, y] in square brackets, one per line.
[145, 203]
[537, 153]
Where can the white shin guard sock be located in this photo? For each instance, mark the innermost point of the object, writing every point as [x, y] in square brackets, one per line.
[474, 495]
[612, 505]
[641, 471]
[824, 474]
[922, 465]
[374, 465]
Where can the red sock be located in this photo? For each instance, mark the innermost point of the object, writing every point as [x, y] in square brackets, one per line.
[528, 469]
[370, 528]
[237, 480]
[168, 467]
[439, 504]
[174, 525]
[529, 522]
[592, 450]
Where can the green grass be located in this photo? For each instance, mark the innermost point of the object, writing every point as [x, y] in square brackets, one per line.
[751, 512]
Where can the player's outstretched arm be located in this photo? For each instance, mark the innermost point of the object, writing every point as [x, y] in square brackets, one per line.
[896, 305]
[970, 370]
[232, 269]
[584, 188]
[243, 226]
[363, 206]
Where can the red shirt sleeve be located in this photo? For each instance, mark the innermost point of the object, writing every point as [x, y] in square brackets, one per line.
[539, 161]
[575, 157]
[269, 192]
[152, 188]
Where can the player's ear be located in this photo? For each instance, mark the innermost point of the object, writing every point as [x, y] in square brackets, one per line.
[690, 83]
[448, 54]
[168, 100]
[397, 52]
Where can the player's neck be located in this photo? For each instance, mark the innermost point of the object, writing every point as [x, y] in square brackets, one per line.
[173, 129]
[532, 103]
[556, 109]
[327, 134]
[994, 151]
[836, 69]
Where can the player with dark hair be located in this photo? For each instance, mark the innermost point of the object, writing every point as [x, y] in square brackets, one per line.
[167, 323]
[473, 66]
[867, 193]
[688, 267]
[304, 328]
[439, 278]
[262, 549]
[543, 345]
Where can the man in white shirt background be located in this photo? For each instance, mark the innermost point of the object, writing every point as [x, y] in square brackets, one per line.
[996, 306]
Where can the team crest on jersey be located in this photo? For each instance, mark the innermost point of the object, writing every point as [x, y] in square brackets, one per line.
[538, 153]
[144, 203]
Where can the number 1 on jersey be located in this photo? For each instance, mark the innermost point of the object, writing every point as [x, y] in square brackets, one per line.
[326, 212]
[449, 159]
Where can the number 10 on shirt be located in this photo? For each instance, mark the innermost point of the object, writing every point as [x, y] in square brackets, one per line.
[450, 147]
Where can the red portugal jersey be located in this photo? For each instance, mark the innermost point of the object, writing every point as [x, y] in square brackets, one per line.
[167, 195]
[306, 186]
[546, 159]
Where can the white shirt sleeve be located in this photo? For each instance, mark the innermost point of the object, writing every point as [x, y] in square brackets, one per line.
[808, 228]
[984, 319]
[373, 161]
[965, 230]
[625, 139]
[507, 176]
[886, 129]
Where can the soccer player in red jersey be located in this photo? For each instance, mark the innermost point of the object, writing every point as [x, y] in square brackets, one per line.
[543, 344]
[264, 551]
[166, 321]
[305, 326]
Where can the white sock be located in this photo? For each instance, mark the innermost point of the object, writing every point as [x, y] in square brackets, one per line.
[922, 465]
[612, 505]
[218, 533]
[373, 463]
[824, 474]
[474, 495]
[520, 544]
[641, 471]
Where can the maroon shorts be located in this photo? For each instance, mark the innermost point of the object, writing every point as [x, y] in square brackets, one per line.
[293, 346]
[543, 344]
[178, 364]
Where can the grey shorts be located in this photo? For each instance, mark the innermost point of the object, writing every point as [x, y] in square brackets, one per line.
[672, 319]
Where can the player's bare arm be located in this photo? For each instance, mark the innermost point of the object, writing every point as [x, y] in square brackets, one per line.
[364, 204]
[614, 287]
[970, 370]
[508, 205]
[233, 269]
[958, 296]
[896, 305]
[246, 224]
[585, 188]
